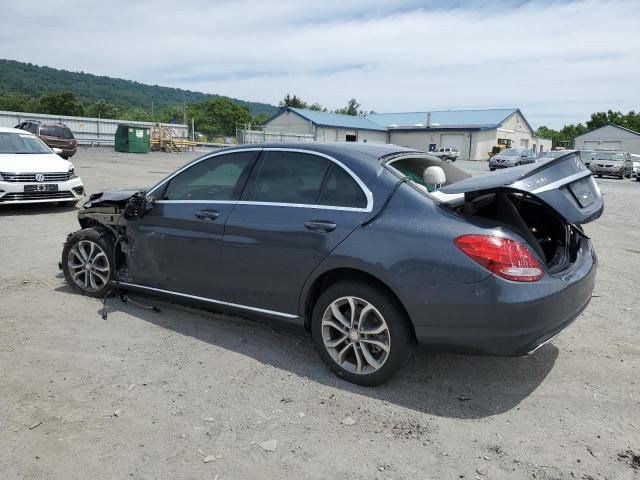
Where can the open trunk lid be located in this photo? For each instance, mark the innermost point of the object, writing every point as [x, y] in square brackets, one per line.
[563, 183]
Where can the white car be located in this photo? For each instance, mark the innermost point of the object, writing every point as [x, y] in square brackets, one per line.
[636, 165]
[447, 153]
[30, 172]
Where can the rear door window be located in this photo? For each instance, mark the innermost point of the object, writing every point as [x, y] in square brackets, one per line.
[218, 178]
[289, 177]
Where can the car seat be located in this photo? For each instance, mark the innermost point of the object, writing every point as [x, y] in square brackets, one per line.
[434, 178]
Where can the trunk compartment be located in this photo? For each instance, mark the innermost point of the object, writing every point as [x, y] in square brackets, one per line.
[551, 237]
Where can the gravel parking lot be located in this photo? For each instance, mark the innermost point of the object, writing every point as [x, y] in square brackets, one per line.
[185, 393]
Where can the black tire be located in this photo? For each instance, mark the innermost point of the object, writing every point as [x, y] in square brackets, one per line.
[105, 241]
[400, 337]
[599, 175]
[638, 178]
[491, 169]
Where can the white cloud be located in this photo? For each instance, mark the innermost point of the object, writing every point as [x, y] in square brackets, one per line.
[557, 61]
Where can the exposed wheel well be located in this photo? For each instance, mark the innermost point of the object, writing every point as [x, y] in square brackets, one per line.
[336, 275]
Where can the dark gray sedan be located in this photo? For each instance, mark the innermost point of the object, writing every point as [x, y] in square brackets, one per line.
[371, 248]
[512, 157]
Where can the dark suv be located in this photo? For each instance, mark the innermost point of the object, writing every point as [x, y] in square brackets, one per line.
[55, 135]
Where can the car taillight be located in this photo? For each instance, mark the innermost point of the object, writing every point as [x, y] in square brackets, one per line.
[504, 257]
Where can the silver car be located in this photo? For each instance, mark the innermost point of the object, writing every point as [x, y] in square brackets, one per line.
[615, 164]
[512, 157]
[636, 165]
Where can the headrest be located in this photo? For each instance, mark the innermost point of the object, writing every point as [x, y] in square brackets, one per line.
[434, 176]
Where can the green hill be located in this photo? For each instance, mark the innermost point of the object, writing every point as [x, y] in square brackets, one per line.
[35, 81]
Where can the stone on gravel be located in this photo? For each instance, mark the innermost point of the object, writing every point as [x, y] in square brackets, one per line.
[348, 421]
[269, 445]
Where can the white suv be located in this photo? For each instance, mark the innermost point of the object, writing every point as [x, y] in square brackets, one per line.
[447, 153]
[30, 172]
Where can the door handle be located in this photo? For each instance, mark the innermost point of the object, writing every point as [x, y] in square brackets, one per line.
[323, 226]
[207, 214]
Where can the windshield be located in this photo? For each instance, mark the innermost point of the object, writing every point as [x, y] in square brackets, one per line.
[55, 131]
[613, 156]
[21, 143]
[512, 152]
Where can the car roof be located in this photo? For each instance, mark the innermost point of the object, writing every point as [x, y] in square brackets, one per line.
[376, 150]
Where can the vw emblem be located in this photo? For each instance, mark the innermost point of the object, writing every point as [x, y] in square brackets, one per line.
[39, 177]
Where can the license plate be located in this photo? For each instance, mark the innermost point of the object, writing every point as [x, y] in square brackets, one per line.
[45, 187]
[582, 191]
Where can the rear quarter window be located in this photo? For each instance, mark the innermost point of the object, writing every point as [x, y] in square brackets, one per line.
[341, 190]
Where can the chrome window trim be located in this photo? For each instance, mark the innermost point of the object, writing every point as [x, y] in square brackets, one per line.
[210, 300]
[265, 204]
[367, 193]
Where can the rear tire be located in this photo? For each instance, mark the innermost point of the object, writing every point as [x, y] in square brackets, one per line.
[361, 332]
[491, 169]
[88, 262]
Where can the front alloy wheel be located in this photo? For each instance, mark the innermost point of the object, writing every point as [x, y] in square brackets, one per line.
[88, 262]
[89, 266]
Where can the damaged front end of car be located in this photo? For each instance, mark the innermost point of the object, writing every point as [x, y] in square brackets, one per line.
[109, 213]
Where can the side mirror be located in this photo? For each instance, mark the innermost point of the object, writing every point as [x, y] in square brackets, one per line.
[138, 206]
[57, 150]
[148, 203]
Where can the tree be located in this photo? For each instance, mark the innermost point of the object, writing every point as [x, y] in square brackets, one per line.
[60, 103]
[292, 101]
[599, 119]
[317, 107]
[218, 116]
[17, 102]
[351, 108]
[104, 109]
[260, 119]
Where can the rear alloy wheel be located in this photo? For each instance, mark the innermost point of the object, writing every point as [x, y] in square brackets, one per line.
[361, 333]
[87, 262]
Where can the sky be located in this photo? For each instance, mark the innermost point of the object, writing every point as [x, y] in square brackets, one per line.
[558, 61]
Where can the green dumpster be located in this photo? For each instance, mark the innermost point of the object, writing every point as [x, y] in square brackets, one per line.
[132, 139]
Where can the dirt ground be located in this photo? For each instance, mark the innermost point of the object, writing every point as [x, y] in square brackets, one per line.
[149, 395]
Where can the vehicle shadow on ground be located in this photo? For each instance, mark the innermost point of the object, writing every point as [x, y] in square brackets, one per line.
[444, 385]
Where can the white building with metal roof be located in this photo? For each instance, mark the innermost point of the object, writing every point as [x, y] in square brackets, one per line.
[472, 132]
[326, 127]
[609, 137]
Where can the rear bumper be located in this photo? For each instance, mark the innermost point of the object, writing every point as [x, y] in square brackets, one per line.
[501, 317]
[13, 193]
